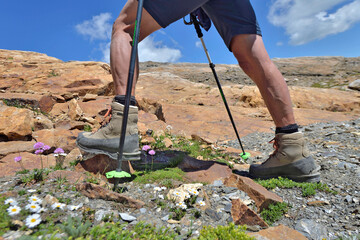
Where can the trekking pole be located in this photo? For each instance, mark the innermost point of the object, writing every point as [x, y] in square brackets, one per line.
[119, 173]
[244, 155]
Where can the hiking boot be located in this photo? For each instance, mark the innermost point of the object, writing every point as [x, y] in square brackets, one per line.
[291, 159]
[106, 140]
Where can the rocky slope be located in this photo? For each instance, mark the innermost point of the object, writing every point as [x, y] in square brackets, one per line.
[50, 101]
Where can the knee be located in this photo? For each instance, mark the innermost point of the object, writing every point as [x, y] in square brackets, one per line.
[121, 27]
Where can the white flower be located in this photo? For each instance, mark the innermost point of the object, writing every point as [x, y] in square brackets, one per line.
[187, 196]
[161, 196]
[177, 194]
[11, 201]
[163, 188]
[33, 207]
[42, 210]
[73, 207]
[56, 155]
[13, 210]
[31, 190]
[181, 205]
[193, 192]
[157, 189]
[58, 206]
[63, 154]
[201, 203]
[35, 199]
[33, 220]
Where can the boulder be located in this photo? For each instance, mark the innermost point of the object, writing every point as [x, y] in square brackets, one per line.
[57, 138]
[280, 232]
[355, 85]
[7, 148]
[241, 215]
[16, 123]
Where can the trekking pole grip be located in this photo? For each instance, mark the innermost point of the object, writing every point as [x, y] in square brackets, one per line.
[196, 25]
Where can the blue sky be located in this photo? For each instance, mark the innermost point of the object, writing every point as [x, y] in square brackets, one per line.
[80, 30]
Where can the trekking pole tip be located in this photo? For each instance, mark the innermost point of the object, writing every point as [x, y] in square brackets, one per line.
[245, 155]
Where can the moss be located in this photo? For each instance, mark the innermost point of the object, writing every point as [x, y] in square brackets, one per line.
[274, 212]
[159, 175]
[224, 232]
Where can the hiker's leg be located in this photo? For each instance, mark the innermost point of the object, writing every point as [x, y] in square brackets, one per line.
[121, 39]
[251, 54]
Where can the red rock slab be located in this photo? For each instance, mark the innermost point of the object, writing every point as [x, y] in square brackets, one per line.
[280, 232]
[8, 167]
[204, 171]
[16, 147]
[262, 197]
[241, 215]
[94, 107]
[97, 192]
[102, 164]
[58, 138]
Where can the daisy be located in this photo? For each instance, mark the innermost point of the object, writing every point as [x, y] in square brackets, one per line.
[33, 220]
[11, 201]
[201, 203]
[13, 210]
[161, 196]
[187, 196]
[58, 206]
[193, 192]
[182, 205]
[163, 188]
[177, 194]
[31, 190]
[73, 207]
[33, 207]
[157, 189]
[35, 199]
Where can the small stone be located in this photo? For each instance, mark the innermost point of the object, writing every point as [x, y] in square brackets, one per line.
[348, 199]
[165, 218]
[212, 214]
[217, 183]
[142, 210]
[311, 229]
[127, 217]
[317, 203]
[172, 221]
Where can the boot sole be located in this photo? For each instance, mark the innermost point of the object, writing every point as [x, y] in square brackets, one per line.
[304, 170]
[313, 177]
[135, 156]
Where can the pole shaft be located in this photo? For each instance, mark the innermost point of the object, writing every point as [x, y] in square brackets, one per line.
[129, 86]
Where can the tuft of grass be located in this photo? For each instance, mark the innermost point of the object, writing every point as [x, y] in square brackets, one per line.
[24, 171]
[274, 212]
[53, 74]
[112, 231]
[21, 192]
[5, 220]
[159, 175]
[87, 128]
[224, 232]
[308, 189]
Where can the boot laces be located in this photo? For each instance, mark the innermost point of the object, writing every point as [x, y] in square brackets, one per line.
[106, 120]
[276, 145]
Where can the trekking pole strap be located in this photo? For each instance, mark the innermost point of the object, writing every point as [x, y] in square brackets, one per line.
[196, 25]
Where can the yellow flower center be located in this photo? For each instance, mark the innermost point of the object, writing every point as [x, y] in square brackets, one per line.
[34, 199]
[13, 210]
[33, 206]
[33, 220]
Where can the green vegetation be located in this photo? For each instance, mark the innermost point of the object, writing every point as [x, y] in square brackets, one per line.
[159, 176]
[91, 179]
[141, 230]
[21, 192]
[53, 74]
[24, 171]
[274, 212]
[224, 232]
[308, 189]
[177, 213]
[5, 221]
[74, 227]
[87, 128]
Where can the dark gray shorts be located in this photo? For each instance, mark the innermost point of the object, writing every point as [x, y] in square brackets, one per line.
[230, 17]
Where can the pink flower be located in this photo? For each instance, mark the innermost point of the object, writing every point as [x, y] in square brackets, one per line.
[146, 148]
[38, 145]
[46, 147]
[58, 151]
[152, 152]
[39, 151]
[17, 159]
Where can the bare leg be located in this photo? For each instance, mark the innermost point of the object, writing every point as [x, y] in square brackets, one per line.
[121, 39]
[251, 54]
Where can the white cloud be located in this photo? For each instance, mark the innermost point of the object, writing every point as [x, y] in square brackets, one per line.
[308, 20]
[198, 44]
[105, 49]
[279, 44]
[99, 27]
[149, 50]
